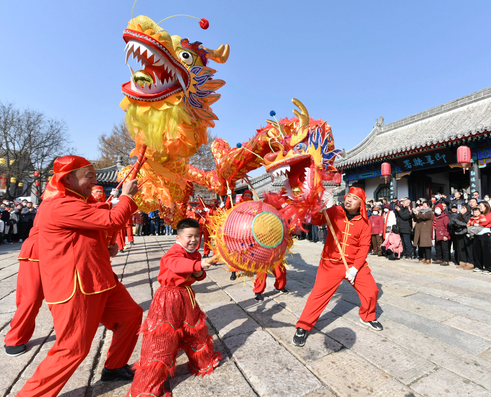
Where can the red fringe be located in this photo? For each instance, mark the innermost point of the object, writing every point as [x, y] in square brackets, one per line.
[217, 356]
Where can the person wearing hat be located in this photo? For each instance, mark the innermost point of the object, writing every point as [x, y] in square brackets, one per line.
[353, 231]
[442, 235]
[98, 193]
[79, 285]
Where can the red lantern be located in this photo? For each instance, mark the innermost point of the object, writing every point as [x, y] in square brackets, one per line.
[464, 157]
[386, 171]
[36, 174]
[337, 178]
[38, 183]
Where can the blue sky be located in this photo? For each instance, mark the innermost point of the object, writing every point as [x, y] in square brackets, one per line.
[349, 62]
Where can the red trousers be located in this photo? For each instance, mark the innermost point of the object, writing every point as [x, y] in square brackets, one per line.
[76, 322]
[129, 233]
[206, 237]
[174, 322]
[329, 277]
[280, 283]
[121, 239]
[29, 297]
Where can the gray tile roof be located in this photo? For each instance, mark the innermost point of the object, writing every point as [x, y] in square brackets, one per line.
[107, 175]
[462, 117]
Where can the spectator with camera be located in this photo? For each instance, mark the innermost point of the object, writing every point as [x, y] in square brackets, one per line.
[405, 223]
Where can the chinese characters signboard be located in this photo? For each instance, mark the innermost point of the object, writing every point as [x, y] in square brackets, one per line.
[426, 160]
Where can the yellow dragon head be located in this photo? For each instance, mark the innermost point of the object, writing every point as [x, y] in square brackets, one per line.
[167, 101]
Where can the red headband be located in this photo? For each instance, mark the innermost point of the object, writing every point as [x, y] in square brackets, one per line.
[360, 193]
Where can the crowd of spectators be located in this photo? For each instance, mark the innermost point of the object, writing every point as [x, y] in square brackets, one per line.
[150, 224]
[442, 230]
[16, 220]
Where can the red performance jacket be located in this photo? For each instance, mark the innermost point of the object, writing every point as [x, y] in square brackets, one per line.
[177, 267]
[73, 245]
[354, 237]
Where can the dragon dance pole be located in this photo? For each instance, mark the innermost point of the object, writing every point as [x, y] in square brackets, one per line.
[139, 163]
[336, 240]
[250, 184]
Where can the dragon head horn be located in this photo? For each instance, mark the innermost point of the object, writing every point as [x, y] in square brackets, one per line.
[220, 55]
[303, 116]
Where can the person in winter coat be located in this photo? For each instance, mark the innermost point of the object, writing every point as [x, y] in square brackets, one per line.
[482, 241]
[377, 223]
[405, 223]
[389, 220]
[392, 246]
[442, 235]
[463, 244]
[423, 231]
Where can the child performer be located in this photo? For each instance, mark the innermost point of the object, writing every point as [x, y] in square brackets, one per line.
[175, 320]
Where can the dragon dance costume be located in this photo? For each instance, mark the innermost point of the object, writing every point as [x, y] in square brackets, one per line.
[175, 321]
[354, 236]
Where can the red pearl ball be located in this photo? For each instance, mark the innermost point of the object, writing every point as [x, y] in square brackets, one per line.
[204, 23]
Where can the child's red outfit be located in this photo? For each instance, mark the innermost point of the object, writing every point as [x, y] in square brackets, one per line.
[377, 223]
[174, 321]
[479, 220]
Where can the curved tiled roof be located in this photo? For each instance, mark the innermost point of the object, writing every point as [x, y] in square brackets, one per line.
[107, 174]
[462, 117]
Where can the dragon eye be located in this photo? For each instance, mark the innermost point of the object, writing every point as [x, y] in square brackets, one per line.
[186, 58]
[300, 147]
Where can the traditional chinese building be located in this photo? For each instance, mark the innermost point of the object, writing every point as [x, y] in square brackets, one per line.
[422, 151]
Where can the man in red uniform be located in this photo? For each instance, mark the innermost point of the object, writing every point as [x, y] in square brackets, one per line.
[29, 291]
[79, 285]
[354, 234]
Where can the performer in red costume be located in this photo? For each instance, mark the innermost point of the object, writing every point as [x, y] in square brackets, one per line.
[175, 320]
[98, 194]
[78, 283]
[354, 235]
[206, 233]
[29, 291]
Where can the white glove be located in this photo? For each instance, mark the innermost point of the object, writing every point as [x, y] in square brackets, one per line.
[229, 192]
[114, 201]
[351, 274]
[206, 209]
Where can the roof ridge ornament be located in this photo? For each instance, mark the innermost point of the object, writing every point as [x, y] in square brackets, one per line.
[379, 123]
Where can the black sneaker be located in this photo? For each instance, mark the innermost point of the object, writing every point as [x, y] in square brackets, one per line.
[123, 373]
[233, 276]
[300, 337]
[132, 243]
[373, 324]
[205, 256]
[14, 351]
[282, 291]
[444, 264]
[259, 297]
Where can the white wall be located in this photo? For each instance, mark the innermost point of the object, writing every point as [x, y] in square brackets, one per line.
[402, 188]
[371, 185]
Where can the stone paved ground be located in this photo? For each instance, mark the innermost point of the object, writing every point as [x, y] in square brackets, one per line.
[436, 340]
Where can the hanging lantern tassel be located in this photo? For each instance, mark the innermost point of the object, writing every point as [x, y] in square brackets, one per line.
[386, 171]
[464, 157]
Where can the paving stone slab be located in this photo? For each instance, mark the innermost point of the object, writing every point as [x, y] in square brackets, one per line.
[473, 327]
[401, 363]
[416, 307]
[442, 332]
[445, 383]
[323, 392]
[270, 369]
[281, 324]
[347, 374]
[454, 307]
[445, 355]
[229, 319]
